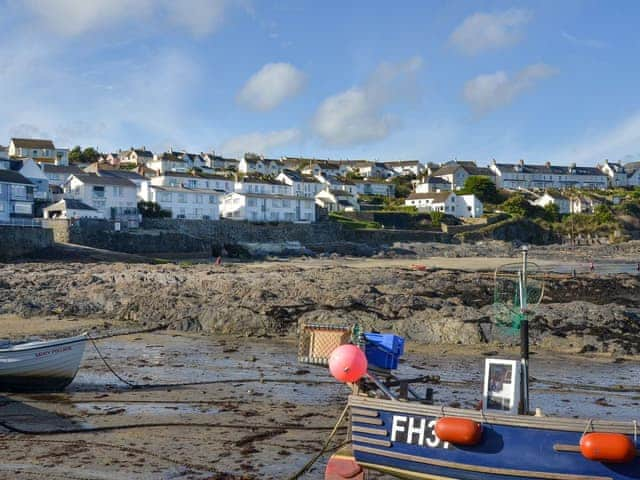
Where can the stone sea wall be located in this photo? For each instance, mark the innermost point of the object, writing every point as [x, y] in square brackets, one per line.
[18, 241]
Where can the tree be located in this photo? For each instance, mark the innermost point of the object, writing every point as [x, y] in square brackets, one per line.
[482, 187]
[517, 206]
[90, 155]
[603, 214]
[152, 210]
[551, 212]
[436, 218]
[403, 185]
[75, 155]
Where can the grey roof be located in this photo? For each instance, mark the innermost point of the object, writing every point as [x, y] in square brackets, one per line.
[549, 169]
[33, 143]
[70, 204]
[438, 197]
[93, 179]
[267, 180]
[402, 163]
[470, 167]
[127, 174]
[436, 181]
[68, 169]
[10, 176]
[340, 193]
[142, 152]
[299, 177]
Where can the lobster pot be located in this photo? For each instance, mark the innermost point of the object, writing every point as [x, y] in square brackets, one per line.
[316, 342]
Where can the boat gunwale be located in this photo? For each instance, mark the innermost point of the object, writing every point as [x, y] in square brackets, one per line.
[629, 427]
[40, 344]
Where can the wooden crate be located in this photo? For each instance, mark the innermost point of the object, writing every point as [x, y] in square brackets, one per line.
[316, 342]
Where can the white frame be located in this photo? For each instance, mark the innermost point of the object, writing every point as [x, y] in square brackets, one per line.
[509, 393]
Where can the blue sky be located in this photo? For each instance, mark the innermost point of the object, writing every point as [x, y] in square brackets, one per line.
[432, 80]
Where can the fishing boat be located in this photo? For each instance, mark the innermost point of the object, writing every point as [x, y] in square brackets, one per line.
[40, 365]
[396, 431]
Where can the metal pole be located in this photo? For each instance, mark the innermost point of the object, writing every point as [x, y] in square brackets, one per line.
[524, 335]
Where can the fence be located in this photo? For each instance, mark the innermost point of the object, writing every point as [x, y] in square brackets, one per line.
[21, 222]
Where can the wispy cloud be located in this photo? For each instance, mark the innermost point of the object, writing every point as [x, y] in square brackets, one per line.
[359, 115]
[583, 42]
[488, 31]
[77, 17]
[621, 141]
[271, 85]
[488, 92]
[260, 142]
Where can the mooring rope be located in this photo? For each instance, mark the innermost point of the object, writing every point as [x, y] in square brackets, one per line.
[324, 449]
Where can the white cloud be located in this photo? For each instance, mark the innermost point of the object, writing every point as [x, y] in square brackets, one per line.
[271, 85]
[488, 31]
[583, 42]
[358, 115]
[77, 17]
[488, 92]
[620, 142]
[260, 142]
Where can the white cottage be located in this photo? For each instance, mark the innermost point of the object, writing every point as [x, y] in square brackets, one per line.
[562, 202]
[268, 207]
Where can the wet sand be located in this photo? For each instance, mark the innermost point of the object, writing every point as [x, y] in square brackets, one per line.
[264, 416]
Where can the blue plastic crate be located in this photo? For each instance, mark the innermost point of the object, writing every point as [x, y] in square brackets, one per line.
[386, 341]
[381, 357]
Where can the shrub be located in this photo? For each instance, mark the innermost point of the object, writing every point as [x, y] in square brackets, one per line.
[481, 187]
[152, 210]
[436, 218]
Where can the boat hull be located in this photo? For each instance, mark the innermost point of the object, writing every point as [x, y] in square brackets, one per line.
[41, 366]
[398, 438]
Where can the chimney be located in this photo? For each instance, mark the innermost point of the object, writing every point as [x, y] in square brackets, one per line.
[548, 164]
[521, 162]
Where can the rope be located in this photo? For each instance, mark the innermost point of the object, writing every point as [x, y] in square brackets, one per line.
[115, 374]
[323, 450]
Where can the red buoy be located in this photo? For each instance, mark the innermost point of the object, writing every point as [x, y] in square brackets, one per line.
[459, 431]
[607, 447]
[348, 363]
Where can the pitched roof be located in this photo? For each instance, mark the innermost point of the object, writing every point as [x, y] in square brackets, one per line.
[127, 174]
[470, 167]
[253, 179]
[33, 143]
[436, 181]
[10, 176]
[299, 177]
[547, 168]
[70, 204]
[141, 152]
[402, 163]
[93, 179]
[436, 197]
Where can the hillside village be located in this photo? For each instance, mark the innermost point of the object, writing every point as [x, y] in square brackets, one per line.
[40, 181]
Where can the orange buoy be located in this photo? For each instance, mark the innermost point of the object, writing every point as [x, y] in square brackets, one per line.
[607, 447]
[459, 431]
[347, 363]
[340, 467]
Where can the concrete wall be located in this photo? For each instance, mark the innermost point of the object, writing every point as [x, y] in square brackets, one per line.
[21, 241]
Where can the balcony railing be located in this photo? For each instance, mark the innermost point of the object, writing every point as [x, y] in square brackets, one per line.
[21, 222]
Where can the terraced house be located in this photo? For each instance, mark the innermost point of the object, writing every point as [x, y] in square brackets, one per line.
[16, 197]
[522, 175]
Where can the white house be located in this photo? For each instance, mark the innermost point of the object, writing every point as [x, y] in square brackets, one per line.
[444, 202]
[116, 198]
[188, 203]
[58, 174]
[312, 166]
[406, 167]
[16, 197]
[69, 208]
[337, 201]
[251, 163]
[616, 173]
[216, 162]
[42, 151]
[262, 185]
[525, 176]
[136, 156]
[563, 203]
[373, 187]
[433, 184]
[369, 169]
[168, 162]
[338, 183]
[580, 204]
[468, 206]
[301, 185]
[193, 181]
[263, 207]
[456, 173]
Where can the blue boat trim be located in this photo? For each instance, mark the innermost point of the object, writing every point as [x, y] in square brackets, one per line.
[477, 468]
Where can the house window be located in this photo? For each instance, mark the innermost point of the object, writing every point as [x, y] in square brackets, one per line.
[165, 196]
[18, 191]
[98, 191]
[286, 203]
[252, 202]
[182, 198]
[213, 199]
[198, 198]
[117, 191]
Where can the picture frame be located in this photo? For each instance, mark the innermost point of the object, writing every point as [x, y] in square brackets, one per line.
[501, 391]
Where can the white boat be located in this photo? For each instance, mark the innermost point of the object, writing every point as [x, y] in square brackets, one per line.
[41, 365]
